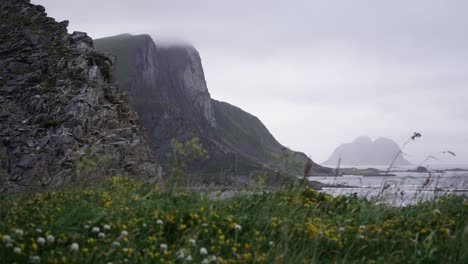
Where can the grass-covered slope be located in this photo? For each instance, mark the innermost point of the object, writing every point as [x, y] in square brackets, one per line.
[123, 221]
[246, 134]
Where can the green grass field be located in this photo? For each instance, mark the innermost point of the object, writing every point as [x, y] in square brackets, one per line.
[124, 221]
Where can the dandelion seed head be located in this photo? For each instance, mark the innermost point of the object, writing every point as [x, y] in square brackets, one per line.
[35, 259]
[180, 254]
[40, 240]
[203, 251]
[17, 250]
[19, 232]
[163, 247]
[6, 238]
[74, 247]
[192, 242]
[50, 239]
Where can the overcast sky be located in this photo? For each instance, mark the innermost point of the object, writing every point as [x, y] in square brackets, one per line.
[317, 73]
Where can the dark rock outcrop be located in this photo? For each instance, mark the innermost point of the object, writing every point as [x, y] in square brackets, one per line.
[59, 107]
[362, 151]
[167, 87]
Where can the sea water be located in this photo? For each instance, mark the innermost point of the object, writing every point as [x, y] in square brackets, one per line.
[403, 188]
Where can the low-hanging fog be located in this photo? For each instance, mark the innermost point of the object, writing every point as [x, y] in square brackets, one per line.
[317, 73]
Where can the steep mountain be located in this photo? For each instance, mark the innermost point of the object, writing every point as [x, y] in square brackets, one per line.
[364, 151]
[62, 118]
[173, 102]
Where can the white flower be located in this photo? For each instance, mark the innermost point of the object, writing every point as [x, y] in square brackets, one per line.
[192, 242]
[101, 235]
[19, 232]
[124, 233]
[205, 261]
[362, 227]
[204, 225]
[341, 229]
[95, 229]
[271, 244]
[86, 226]
[74, 247]
[6, 238]
[159, 222]
[17, 250]
[361, 236]
[9, 245]
[50, 239]
[437, 211]
[213, 258]
[40, 240]
[116, 244]
[163, 247]
[188, 258]
[35, 259]
[180, 254]
[237, 227]
[203, 251]
[107, 227]
[38, 230]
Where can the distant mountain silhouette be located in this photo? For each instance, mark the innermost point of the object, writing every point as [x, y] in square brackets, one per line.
[362, 151]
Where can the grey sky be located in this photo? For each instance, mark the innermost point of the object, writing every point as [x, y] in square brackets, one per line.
[317, 73]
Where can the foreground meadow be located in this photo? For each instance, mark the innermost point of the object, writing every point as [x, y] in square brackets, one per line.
[123, 221]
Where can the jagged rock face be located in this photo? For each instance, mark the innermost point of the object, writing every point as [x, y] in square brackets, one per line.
[59, 107]
[167, 88]
[363, 151]
[183, 68]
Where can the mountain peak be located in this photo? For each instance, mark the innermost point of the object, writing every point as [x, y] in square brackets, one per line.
[363, 140]
[177, 105]
[363, 151]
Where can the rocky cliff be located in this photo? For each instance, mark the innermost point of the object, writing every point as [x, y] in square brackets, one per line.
[60, 110]
[177, 104]
[364, 151]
